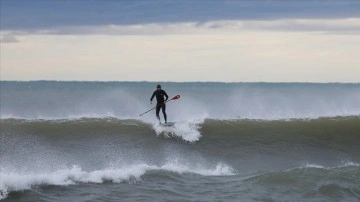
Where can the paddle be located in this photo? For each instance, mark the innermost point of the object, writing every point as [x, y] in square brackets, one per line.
[174, 98]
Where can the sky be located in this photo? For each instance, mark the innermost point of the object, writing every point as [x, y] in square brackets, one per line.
[180, 40]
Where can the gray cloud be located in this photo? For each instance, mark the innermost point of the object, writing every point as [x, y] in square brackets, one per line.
[326, 26]
[20, 14]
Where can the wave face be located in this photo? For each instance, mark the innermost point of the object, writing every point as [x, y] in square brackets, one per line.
[63, 100]
[64, 141]
[262, 154]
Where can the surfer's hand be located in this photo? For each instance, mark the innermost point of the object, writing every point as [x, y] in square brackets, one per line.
[151, 102]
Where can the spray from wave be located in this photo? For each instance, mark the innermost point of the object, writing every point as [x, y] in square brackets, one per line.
[126, 100]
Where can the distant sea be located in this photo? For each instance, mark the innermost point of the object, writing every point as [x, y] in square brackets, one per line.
[85, 141]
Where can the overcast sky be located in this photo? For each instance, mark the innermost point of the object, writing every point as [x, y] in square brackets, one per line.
[228, 41]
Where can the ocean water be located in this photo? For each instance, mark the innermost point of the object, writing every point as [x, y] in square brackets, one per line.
[85, 141]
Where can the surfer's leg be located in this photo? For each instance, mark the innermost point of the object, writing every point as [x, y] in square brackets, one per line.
[158, 111]
[164, 113]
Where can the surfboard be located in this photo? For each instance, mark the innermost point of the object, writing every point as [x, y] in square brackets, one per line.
[168, 124]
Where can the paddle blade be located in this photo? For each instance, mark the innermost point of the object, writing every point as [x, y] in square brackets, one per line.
[175, 97]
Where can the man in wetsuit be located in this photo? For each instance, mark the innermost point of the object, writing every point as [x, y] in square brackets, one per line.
[159, 93]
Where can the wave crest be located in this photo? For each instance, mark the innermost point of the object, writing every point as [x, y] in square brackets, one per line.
[11, 181]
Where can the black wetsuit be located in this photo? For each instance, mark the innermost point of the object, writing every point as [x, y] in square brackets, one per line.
[160, 102]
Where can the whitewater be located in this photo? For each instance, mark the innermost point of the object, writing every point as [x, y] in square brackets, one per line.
[78, 141]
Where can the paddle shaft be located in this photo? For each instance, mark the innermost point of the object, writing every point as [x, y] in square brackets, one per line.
[174, 98]
[152, 108]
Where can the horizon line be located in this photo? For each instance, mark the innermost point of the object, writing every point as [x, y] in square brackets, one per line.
[144, 81]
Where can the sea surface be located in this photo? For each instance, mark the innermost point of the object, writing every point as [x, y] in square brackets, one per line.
[85, 141]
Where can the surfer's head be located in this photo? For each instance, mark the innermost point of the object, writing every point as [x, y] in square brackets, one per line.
[158, 86]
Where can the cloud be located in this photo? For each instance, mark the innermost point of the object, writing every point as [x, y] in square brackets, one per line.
[348, 24]
[245, 56]
[343, 25]
[8, 38]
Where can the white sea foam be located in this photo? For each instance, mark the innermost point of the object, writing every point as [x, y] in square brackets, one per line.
[12, 181]
[186, 130]
[342, 165]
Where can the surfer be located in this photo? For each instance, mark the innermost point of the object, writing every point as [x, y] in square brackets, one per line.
[159, 93]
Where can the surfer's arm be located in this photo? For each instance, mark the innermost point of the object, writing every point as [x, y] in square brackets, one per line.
[166, 96]
[152, 97]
